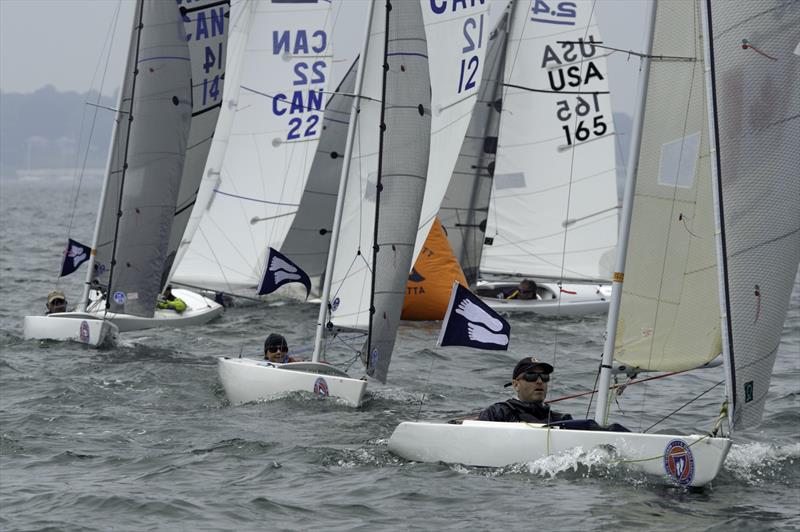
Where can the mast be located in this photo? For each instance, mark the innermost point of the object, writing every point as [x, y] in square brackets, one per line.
[601, 412]
[719, 219]
[378, 184]
[337, 217]
[84, 301]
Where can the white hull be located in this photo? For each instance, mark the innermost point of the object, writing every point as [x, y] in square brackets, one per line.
[246, 380]
[70, 326]
[199, 310]
[586, 299]
[494, 444]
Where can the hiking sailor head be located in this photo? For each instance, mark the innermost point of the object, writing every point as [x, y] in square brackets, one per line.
[530, 379]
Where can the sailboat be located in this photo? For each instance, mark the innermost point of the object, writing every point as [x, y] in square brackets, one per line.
[166, 116]
[279, 71]
[709, 242]
[378, 204]
[552, 216]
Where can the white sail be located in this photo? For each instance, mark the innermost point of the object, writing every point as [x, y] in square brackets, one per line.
[207, 25]
[458, 36]
[465, 206]
[669, 312]
[755, 92]
[273, 137]
[553, 211]
[238, 29]
[309, 237]
[158, 131]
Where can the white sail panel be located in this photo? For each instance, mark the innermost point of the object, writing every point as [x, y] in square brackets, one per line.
[207, 24]
[272, 141]
[553, 211]
[756, 91]
[309, 237]
[458, 36]
[465, 206]
[669, 312]
[157, 140]
[239, 28]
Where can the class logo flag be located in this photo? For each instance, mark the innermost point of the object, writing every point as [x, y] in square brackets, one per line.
[472, 323]
[75, 255]
[280, 271]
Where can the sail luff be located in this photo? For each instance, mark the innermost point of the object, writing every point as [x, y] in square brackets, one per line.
[324, 306]
[601, 410]
[108, 180]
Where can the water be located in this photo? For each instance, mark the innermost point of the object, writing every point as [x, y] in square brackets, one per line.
[140, 436]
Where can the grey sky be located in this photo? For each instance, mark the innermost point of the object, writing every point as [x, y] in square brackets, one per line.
[62, 42]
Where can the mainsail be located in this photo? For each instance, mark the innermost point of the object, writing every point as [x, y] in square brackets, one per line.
[465, 206]
[149, 159]
[755, 94]
[553, 213]
[397, 100]
[669, 312]
[277, 121]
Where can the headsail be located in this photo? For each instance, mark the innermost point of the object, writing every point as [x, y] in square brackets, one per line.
[755, 92]
[160, 116]
[465, 206]
[669, 312]
[553, 212]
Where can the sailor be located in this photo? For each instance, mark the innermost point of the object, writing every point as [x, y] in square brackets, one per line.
[276, 349]
[56, 302]
[168, 301]
[530, 380]
[526, 290]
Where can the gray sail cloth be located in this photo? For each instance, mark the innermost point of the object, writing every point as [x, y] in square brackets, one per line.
[159, 130]
[105, 226]
[756, 88]
[206, 23]
[406, 145]
[466, 203]
[309, 237]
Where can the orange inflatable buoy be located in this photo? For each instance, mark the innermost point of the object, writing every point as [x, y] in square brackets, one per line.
[431, 279]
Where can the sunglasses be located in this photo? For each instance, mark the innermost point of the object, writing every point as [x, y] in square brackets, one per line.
[276, 350]
[531, 377]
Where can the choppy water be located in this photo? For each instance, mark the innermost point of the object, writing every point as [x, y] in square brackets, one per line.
[141, 437]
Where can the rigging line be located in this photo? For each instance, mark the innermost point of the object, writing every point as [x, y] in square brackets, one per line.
[622, 386]
[683, 406]
[109, 40]
[637, 54]
[553, 91]
[427, 387]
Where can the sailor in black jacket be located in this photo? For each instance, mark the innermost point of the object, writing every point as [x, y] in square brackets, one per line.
[530, 380]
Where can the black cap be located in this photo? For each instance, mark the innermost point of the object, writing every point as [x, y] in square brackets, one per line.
[529, 363]
[275, 340]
